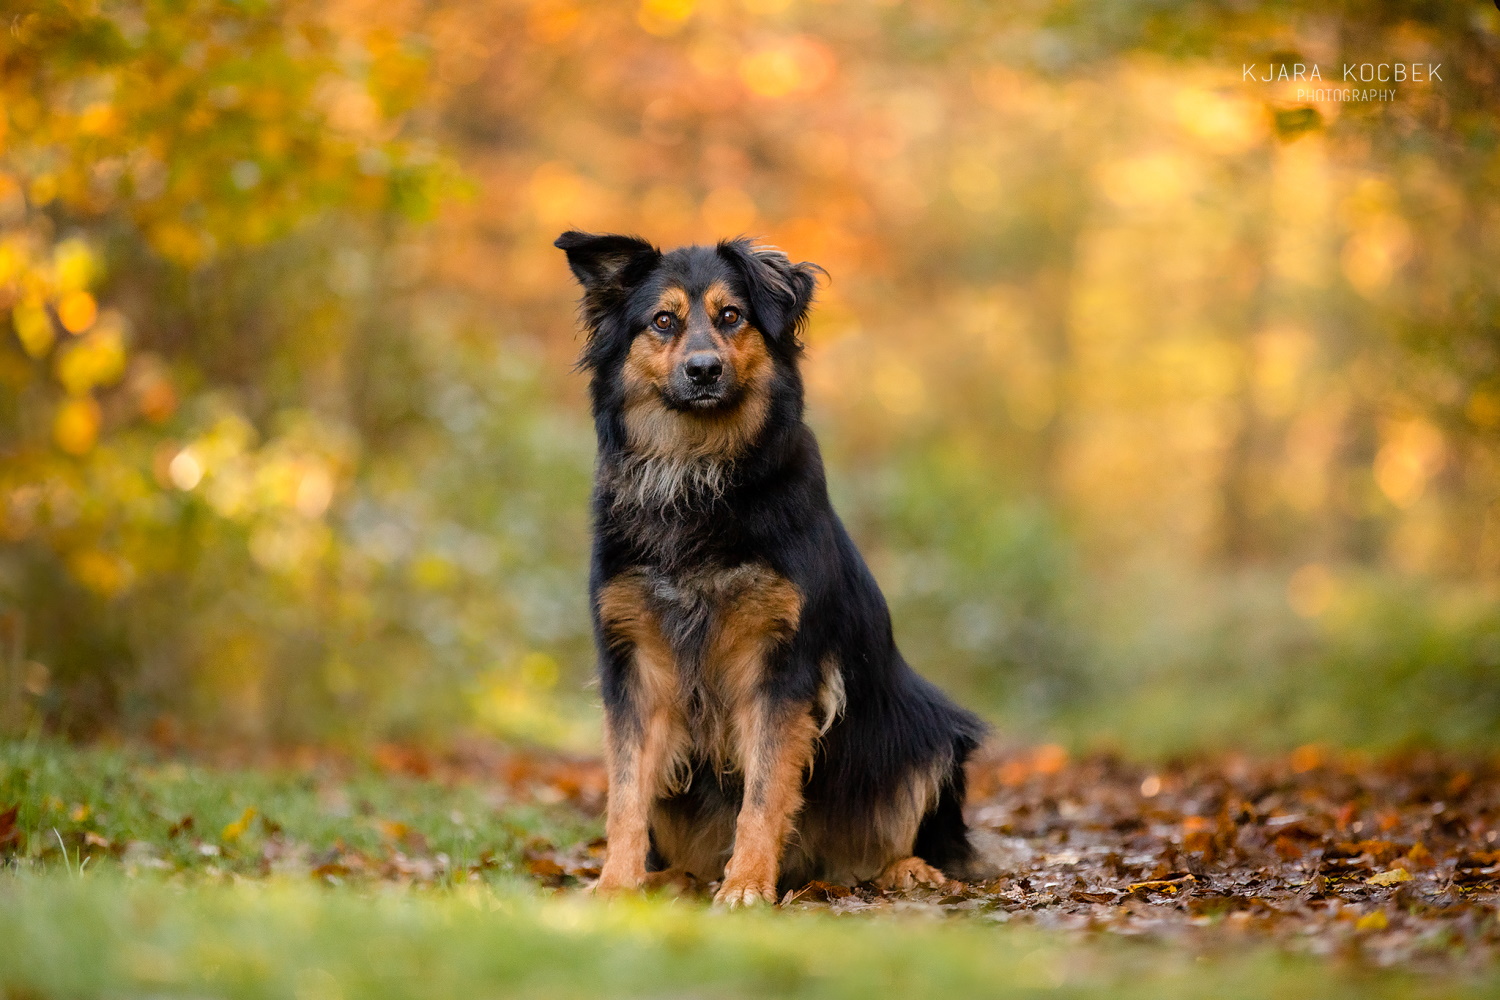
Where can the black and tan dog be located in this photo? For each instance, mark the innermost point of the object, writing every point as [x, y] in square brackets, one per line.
[761, 727]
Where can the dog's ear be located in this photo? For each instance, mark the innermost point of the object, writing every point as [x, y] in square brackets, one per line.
[780, 292]
[604, 263]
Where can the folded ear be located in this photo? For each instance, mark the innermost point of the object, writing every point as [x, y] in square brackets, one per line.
[601, 262]
[780, 292]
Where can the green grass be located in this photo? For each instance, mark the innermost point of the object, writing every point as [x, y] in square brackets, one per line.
[105, 936]
[112, 808]
[220, 924]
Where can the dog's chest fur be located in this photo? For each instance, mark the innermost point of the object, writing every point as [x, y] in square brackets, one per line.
[707, 635]
[672, 514]
[713, 610]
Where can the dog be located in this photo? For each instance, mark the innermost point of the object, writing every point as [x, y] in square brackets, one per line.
[761, 728]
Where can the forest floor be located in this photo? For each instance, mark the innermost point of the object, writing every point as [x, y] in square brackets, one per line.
[127, 872]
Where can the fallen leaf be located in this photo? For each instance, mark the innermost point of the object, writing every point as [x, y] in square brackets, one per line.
[1380, 851]
[234, 831]
[1471, 859]
[1419, 855]
[1197, 835]
[1372, 921]
[1290, 848]
[1392, 877]
[1307, 758]
[10, 833]
[1162, 884]
[401, 833]
[545, 868]
[825, 892]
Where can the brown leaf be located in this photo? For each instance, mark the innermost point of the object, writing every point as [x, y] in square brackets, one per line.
[1198, 835]
[1213, 905]
[11, 834]
[332, 869]
[1418, 857]
[1289, 848]
[825, 892]
[398, 832]
[1381, 852]
[544, 867]
[1468, 859]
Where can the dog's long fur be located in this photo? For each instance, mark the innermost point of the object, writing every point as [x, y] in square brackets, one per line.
[761, 727]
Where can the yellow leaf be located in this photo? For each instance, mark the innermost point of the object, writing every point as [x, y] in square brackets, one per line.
[43, 188]
[100, 572]
[77, 310]
[97, 359]
[76, 426]
[33, 328]
[1392, 877]
[74, 265]
[664, 17]
[98, 119]
[1419, 856]
[236, 830]
[1373, 921]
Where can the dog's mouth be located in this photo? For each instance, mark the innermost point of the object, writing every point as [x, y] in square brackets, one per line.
[704, 400]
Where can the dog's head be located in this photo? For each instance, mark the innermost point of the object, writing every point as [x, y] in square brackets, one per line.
[690, 351]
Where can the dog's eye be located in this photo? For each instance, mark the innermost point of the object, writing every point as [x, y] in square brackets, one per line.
[663, 321]
[729, 315]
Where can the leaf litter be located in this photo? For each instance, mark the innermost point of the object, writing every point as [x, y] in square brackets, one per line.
[1389, 862]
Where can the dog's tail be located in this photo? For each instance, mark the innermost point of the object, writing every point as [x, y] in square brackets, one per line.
[943, 836]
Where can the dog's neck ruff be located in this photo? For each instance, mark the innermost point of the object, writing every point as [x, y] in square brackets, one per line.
[667, 483]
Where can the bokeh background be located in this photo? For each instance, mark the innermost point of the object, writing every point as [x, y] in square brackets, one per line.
[1163, 401]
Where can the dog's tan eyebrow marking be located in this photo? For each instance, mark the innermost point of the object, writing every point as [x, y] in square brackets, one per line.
[717, 297]
[673, 300]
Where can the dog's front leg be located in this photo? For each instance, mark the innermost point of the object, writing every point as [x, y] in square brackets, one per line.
[644, 736]
[775, 743]
[639, 754]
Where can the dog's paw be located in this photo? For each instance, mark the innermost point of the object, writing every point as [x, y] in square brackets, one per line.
[673, 880]
[616, 879]
[908, 873]
[751, 891]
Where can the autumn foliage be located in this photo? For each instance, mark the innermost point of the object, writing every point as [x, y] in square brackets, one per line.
[1164, 400]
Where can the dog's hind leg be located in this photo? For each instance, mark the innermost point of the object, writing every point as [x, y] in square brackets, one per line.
[908, 873]
[943, 838]
[693, 830]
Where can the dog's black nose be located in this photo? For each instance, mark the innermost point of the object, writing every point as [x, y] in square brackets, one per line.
[703, 368]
